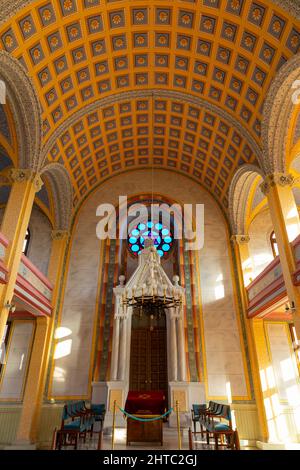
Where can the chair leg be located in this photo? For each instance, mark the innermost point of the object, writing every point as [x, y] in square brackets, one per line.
[236, 441]
[100, 440]
[216, 442]
[58, 441]
[194, 426]
[201, 430]
[207, 438]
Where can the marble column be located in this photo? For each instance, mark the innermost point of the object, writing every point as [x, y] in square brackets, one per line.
[115, 349]
[122, 349]
[181, 351]
[173, 348]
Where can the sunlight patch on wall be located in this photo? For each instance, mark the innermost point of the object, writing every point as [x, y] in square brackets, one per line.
[63, 349]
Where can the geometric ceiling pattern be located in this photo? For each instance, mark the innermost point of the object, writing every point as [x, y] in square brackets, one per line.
[178, 136]
[225, 52]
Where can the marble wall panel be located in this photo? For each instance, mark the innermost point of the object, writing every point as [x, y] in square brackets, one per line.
[39, 249]
[259, 245]
[283, 360]
[17, 359]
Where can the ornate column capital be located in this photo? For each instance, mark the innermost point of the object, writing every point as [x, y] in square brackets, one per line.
[240, 239]
[60, 234]
[280, 179]
[18, 175]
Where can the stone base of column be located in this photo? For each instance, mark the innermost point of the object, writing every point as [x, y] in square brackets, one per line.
[107, 392]
[187, 394]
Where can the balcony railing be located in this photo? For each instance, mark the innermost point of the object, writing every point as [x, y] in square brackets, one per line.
[3, 269]
[267, 291]
[296, 245]
[33, 287]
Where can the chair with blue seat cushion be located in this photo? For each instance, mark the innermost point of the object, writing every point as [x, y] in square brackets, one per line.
[71, 428]
[212, 421]
[197, 410]
[99, 410]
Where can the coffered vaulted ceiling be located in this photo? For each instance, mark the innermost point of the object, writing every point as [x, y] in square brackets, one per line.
[125, 82]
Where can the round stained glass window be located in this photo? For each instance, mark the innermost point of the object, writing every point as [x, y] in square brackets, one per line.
[160, 234]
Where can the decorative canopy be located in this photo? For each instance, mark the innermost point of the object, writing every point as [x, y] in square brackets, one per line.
[148, 285]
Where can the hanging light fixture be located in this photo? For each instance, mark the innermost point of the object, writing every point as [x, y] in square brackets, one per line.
[149, 287]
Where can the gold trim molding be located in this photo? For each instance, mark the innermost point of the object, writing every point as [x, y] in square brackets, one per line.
[240, 239]
[20, 176]
[280, 179]
[60, 234]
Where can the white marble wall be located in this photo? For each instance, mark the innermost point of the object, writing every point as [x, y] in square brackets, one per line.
[283, 360]
[222, 339]
[17, 358]
[40, 241]
[283, 407]
[71, 371]
[259, 244]
[223, 356]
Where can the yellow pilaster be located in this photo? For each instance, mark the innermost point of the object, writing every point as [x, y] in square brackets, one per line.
[286, 224]
[34, 376]
[35, 384]
[240, 243]
[14, 226]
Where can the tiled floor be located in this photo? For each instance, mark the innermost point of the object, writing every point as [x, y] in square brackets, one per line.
[170, 441]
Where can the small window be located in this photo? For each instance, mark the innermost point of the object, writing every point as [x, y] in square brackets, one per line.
[274, 245]
[26, 242]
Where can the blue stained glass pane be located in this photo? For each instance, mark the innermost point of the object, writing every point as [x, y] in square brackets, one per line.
[160, 234]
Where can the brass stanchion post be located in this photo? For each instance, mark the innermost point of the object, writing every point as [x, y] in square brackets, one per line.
[178, 425]
[113, 427]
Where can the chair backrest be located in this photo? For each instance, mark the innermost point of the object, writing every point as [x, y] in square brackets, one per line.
[72, 409]
[65, 414]
[98, 408]
[218, 409]
[226, 413]
[214, 407]
[197, 408]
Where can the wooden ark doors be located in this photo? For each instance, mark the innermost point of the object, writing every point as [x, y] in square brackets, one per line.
[148, 355]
